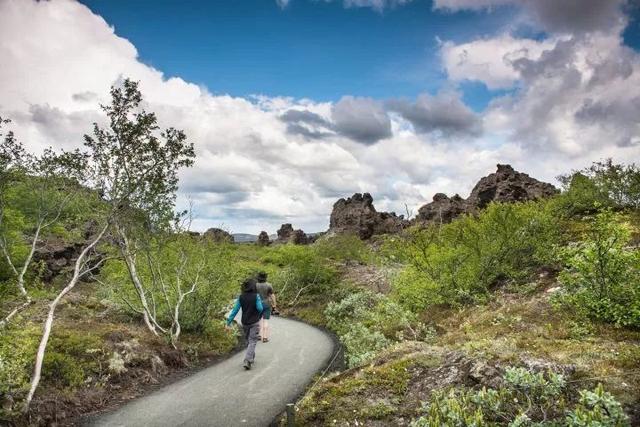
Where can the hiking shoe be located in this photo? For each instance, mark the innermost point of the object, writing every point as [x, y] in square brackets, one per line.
[247, 365]
[265, 339]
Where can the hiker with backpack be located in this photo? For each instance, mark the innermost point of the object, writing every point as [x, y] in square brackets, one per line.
[251, 304]
[268, 298]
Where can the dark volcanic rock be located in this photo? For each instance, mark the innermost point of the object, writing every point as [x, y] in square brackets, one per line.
[506, 185]
[357, 215]
[218, 235]
[263, 239]
[57, 256]
[286, 234]
[443, 209]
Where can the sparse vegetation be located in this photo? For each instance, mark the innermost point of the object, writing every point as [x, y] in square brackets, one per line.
[525, 398]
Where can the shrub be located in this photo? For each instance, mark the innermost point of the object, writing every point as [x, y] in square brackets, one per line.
[17, 349]
[621, 183]
[366, 323]
[72, 357]
[525, 399]
[581, 196]
[63, 370]
[302, 274]
[602, 274]
[458, 263]
[344, 247]
[597, 408]
[603, 184]
[213, 264]
[362, 344]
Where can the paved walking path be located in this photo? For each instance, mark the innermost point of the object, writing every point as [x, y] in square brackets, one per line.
[226, 395]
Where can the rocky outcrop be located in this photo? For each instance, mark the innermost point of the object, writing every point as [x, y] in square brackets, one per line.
[357, 215]
[218, 235]
[263, 239]
[442, 209]
[57, 257]
[506, 185]
[286, 234]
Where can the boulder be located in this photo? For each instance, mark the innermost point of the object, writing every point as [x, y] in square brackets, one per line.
[263, 239]
[506, 185]
[442, 209]
[218, 235]
[286, 234]
[357, 215]
[57, 256]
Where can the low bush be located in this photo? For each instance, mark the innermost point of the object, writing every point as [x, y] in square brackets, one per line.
[602, 273]
[602, 185]
[367, 323]
[525, 399]
[72, 358]
[459, 263]
[302, 273]
[17, 350]
[344, 248]
[581, 196]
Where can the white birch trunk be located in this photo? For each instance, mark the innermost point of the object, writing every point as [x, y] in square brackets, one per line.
[48, 324]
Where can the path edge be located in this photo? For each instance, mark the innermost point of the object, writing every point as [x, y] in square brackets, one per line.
[334, 363]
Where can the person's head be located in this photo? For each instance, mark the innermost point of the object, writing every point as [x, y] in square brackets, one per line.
[261, 277]
[249, 286]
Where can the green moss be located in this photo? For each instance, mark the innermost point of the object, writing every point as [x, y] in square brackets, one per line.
[17, 349]
[378, 410]
[370, 393]
[72, 357]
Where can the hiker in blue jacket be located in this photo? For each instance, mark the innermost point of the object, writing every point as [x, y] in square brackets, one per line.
[251, 305]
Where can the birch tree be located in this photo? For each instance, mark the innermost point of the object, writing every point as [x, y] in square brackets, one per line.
[133, 167]
[169, 268]
[44, 188]
[136, 168]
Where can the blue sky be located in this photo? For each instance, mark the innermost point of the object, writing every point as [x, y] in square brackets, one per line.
[310, 49]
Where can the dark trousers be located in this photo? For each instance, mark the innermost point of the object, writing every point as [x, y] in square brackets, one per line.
[251, 333]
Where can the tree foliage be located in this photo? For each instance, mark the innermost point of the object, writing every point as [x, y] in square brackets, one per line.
[133, 165]
[602, 273]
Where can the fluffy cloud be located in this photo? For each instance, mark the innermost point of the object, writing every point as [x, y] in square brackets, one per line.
[263, 161]
[563, 16]
[444, 113]
[361, 119]
[579, 97]
[490, 61]
[575, 93]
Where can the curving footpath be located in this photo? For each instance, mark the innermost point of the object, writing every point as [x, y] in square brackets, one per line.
[226, 395]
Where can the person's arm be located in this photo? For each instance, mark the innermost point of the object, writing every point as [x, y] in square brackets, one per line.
[234, 312]
[259, 306]
[273, 300]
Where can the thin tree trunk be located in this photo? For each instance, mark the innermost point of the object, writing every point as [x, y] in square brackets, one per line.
[48, 324]
[125, 249]
[15, 311]
[27, 261]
